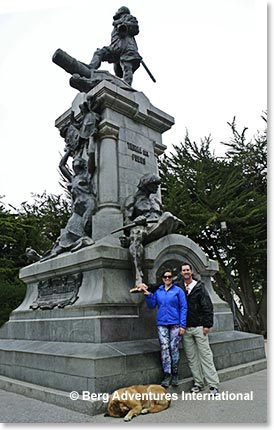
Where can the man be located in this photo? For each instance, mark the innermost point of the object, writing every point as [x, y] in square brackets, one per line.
[123, 50]
[199, 322]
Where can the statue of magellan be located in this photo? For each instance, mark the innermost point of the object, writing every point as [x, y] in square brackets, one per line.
[123, 50]
[122, 53]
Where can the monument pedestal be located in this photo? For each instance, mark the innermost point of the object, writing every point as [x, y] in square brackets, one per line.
[79, 328]
[107, 338]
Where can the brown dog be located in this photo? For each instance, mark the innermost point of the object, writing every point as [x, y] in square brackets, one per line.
[137, 399]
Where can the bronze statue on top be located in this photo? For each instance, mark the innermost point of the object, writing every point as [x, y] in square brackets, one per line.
[122, 53]
[123, 50]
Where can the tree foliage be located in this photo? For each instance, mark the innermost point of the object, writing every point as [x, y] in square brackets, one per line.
[204, 190]
[35, 225]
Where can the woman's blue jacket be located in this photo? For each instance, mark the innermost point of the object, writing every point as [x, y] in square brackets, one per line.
[172, 305]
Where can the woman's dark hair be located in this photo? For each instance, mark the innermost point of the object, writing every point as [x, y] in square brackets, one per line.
[167, 270]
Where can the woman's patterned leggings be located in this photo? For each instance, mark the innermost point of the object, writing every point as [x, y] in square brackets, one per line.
[169, 339]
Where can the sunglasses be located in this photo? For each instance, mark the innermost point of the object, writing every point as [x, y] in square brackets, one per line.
[167, 277]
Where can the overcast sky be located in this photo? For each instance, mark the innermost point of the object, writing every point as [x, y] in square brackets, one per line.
[209, 58]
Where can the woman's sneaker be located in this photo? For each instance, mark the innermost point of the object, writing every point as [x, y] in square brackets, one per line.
[196, 388]
[175, 380]
[166, 381]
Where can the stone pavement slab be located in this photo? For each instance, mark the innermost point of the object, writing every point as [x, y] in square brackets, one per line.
[15, 408]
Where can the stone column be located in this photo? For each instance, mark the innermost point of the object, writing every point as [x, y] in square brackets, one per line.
[109, 216]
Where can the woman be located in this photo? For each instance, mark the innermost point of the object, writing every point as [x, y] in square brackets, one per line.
[171, 323]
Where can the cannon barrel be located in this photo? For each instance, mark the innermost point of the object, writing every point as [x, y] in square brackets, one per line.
[70, 64]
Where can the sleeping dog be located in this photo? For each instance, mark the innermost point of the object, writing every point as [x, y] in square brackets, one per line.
[137, 399]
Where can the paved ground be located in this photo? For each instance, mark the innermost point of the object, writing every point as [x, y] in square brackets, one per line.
[15, 408]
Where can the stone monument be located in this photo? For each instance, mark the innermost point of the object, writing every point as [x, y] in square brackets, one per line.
[79, 328]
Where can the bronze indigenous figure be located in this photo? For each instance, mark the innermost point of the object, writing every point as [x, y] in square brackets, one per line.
[79, 134]
[145, 221]
[87, 128]
[72, 138]
[77, 232]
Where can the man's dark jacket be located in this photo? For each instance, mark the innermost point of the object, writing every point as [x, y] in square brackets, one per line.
[200, 308]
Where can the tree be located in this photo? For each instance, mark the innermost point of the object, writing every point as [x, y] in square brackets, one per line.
[35, 225]
[204, 190]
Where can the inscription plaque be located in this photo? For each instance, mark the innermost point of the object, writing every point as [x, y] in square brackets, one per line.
[60, 292]
[135, 148]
